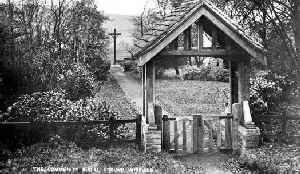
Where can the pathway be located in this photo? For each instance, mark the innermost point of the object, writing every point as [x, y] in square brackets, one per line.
[131, 87]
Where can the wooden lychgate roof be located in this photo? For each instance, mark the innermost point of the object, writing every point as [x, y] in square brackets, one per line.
[182, 17]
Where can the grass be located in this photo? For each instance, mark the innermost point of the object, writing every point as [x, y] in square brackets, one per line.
[111, 92]
[60, 153]
[272, 158]
[185, 98]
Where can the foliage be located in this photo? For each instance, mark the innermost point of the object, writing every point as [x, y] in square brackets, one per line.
[78, 82]
[206, 73]
[221, 74]
[53, 106]
[271, 158]
[268, 90]
[195, 73]
[58, 152]
[100, 69]
[43, 39]
[129, 65]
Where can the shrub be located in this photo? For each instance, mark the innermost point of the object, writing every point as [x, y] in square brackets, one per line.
[78, 82]
[129, 65]
[101, 69]
[268, 90]
[195, 73]
[272, 158]
[222, 75]
[53, 106]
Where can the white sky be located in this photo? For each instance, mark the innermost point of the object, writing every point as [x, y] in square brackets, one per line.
[124, 7]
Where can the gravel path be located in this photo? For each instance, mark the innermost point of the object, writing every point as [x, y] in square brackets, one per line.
[131, 87]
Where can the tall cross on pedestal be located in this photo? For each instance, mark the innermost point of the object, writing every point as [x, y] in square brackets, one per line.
[114, 35]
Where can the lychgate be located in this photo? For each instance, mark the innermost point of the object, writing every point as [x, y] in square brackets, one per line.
[228, 41]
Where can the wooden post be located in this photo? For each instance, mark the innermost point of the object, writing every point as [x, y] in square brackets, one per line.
[236, 111]
[158, 116]
[201, 132]
[149, 102]
[138, 130]
[214, 38]
[284, 123]
[144, 90]
[200, 36]
[244, 80]
[244, 83]
[166, 134]
[176, 136]
[195, 133]
[218, 133]
[184, 148]
[187, 39]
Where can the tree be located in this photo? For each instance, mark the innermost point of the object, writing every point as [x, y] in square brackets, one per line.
[40, 40]
[297, 34]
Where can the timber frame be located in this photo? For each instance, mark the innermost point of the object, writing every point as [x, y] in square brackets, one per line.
[228, 41]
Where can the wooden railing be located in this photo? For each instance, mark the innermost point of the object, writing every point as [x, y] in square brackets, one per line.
[111, 123]
[292, 113]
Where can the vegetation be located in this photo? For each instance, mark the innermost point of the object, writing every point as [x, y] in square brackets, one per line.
[42, 40]
[272, 158]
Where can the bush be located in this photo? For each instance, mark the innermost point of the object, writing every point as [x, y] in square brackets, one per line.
[53, 106]
[101, 69]
[195, 73]
[272, 158]
[78, 82]
[268, 90]
[129, 65]
[222, 75]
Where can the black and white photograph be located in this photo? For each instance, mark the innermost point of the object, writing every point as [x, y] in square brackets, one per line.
[150, 86]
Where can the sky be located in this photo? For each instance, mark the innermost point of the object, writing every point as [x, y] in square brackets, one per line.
[124, 7]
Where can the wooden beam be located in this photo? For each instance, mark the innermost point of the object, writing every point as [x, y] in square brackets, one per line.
[214, 38]
[187, 45]
[150, 92]
[202, 52]
[244, 81]
[200, 36]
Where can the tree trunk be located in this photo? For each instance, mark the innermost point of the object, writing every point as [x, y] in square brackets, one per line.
[297, 37]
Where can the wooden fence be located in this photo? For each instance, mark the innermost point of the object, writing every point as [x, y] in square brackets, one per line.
[199, 133]
[292, 113]
[112, 123]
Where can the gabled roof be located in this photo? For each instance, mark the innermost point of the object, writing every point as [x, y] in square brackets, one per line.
[167, 29]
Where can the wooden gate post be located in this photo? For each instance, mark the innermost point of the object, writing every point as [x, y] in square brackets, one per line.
[138, 130]
[198, 134]
[236, 112]
[166, 133]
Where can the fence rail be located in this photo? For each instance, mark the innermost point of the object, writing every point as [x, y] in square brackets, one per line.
[292, 113]
[111, 123]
